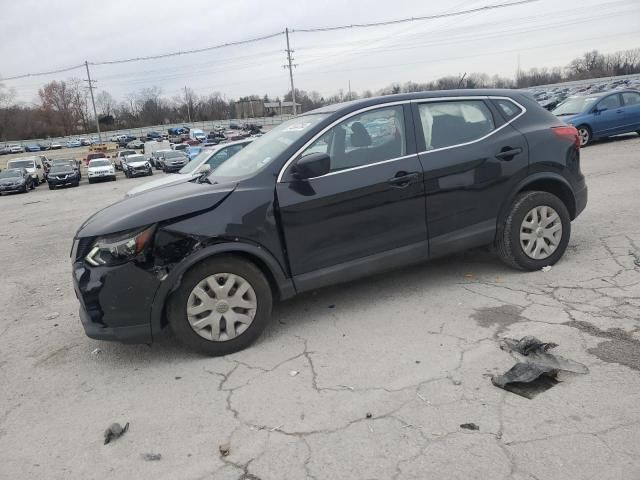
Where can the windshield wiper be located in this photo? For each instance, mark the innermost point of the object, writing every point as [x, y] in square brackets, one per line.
[204, 178]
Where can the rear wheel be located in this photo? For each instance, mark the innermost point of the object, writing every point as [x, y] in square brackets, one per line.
[536, 231]
[584, 132]
[221, 306]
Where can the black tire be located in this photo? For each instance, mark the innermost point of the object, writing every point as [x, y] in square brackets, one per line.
[177, 315]
[26, 188]
[77, 184]
[36, 182]
[32, 186]
[50, 187]
[91, 180]
[588, 135]
[150, 172]
[508, 236]
[114, 178]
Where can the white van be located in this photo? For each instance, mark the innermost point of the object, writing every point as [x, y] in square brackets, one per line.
[33, 165]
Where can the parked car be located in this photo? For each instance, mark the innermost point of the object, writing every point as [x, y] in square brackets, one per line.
[180, 147]
[44, 146]
[136, 165]
[136, 144]
[197, 135]
[173, 161]
[207, 161]
[33, 165]
[93, 156]
[55, 146]
[85, 142]
[74, 164]
[473, 167]
[15, 180]
[5, 150]
[154, 159]
[123, 140]
[63, 175]
[117, 160]
[32, 147]
[154, 136]
[74, 144]
[193, 152]
[101, 169]
[602, 115]
[15, 148]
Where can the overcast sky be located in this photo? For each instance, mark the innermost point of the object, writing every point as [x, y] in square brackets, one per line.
[38, 36]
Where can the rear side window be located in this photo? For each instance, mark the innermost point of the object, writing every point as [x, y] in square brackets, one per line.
[509, 109]
[612, 101]
[631, 98]
[446, 124]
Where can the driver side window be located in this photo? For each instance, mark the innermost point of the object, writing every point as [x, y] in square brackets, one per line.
[612, 101]
[363, 139]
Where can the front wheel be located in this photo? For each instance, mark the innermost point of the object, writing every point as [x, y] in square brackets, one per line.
[536, 231]
[584, 132]
[150, 172]
[221, 306]
[50, 187]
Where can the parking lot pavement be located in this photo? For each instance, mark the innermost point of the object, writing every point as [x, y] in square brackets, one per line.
[413, 348]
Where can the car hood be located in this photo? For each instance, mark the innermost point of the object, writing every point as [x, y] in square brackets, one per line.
[160, 183]
[139, 163]
[155, 206]
[99, 169]
[10, 181]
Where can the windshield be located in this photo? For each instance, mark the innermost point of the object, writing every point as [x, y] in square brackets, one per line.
[134, 158]
[60, 169]
[574, 105]
[182, 146]
[262, 151]
[196, 162]
[99, 163]
[61, 162]
[12, 173]
[21, 164]
[174, 155]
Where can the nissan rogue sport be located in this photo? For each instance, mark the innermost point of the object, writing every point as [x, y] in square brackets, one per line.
[331, 195]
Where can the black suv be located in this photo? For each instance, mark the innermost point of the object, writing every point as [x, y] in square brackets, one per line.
[63, 175]
[337, 193]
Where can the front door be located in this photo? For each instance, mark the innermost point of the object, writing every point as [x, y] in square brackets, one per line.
[608, 116]
[471, 160]
[368, 212]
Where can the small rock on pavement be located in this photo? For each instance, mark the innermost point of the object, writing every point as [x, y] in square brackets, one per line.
[96, 352]
[151, 457]
[224, 449]
[369, 415]
[470, 426]
[114, 431]
[293, 373]
[53, 315]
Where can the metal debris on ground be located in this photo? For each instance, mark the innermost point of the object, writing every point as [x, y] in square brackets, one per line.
[151, 457]
[224, 449]
[114, 431]
[369, 415]
[96, 352]
[293, 373]
[537, 371]
[547, 268]
[470, 426]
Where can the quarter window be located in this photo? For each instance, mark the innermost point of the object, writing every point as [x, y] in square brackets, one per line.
[631, 98]
[612, 101]
[446, 124]
[370, 137]
[509, 109]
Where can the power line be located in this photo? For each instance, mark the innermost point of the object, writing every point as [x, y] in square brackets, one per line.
[413, 19]
[276, 34]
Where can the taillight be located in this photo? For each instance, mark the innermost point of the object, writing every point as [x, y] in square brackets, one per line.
[568, 132]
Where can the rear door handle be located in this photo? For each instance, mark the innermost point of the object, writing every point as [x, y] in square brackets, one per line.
[620, 110]
[507, 153]
[402, 179]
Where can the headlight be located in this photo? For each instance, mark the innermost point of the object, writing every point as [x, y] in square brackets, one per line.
[120, 248]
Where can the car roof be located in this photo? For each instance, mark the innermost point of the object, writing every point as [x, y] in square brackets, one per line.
[404, 97]
[32, 159]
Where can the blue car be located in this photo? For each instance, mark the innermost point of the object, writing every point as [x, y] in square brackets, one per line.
[192, 152]
[32, 148]
[74, 143]
[601, 115]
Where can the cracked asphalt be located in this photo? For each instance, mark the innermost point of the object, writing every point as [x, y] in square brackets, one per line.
[415, 349]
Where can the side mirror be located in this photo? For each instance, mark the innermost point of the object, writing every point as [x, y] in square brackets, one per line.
[312, 165]
[600, 109]
[203, 169]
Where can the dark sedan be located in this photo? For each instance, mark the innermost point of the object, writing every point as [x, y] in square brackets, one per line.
[63, 175]
[15, 180]
[173, 161]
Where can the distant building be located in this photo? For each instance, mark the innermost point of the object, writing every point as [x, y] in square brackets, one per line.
[249, 108]
[280, 108]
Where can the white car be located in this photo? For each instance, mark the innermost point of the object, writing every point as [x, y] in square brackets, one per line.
[134, 165]
[33, 165]
[15, 148]
[207, 160]
[101, 169]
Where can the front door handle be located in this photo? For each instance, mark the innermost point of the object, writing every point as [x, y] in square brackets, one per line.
[619, 110]
[507, 153]
[402, 179]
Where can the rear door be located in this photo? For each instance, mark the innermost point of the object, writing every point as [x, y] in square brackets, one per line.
[631, 104]
[472, 158]
[368, 212]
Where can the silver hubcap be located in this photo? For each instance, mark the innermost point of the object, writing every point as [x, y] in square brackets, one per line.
[221, 307]
[540, 232]
[584, 136]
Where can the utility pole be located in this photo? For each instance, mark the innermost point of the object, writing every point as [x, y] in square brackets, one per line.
[349, 89]
[93, 102]
[290, 66]
[186, 98]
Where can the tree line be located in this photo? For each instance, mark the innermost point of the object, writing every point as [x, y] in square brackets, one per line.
[63, 107]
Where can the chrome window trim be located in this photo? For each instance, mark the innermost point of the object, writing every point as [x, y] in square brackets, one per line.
[523, 110]
[330, 126]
